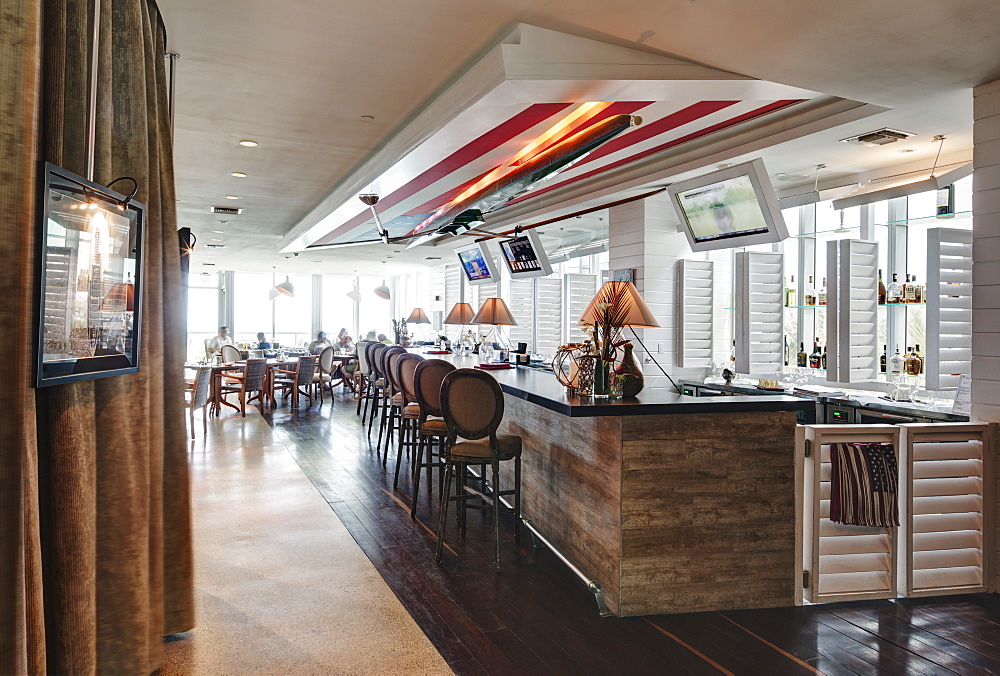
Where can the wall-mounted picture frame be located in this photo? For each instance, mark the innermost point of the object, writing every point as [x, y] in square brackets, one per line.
[90, 244]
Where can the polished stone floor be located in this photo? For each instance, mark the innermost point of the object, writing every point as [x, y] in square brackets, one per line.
[281, 586]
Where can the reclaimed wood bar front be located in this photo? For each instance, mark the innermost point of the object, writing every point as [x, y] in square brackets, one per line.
[671, 503]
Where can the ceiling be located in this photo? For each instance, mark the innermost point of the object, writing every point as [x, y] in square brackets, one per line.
[337, 96]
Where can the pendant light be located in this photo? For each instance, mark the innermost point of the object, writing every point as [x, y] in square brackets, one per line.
[382, 291]
[286, 287]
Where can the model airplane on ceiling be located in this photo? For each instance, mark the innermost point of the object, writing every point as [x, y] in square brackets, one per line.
[464, 213]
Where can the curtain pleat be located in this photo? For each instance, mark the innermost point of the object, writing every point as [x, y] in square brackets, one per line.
[95, 536]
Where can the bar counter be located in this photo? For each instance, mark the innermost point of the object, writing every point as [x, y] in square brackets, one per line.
[670, 503]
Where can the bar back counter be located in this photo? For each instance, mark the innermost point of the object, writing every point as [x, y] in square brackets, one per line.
[665, 503]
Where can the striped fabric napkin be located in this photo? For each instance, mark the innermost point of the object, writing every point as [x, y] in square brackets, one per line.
[863, 485]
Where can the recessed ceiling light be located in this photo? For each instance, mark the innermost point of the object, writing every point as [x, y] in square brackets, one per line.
[232, 197]
[317, 261]
[248, 143]
[432, 258]
[219, 232]
[237, 174]
[222, 221]
[216, 239]
[908, 150]
[367, 118]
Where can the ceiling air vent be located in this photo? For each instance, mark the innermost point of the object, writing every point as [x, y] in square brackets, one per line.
[209, 264]
[879, 137]
[229, 211]
[215, 246]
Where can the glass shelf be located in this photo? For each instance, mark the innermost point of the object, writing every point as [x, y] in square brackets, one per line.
[807, 307]
[834, 231]
[926, 220]
[899, 304]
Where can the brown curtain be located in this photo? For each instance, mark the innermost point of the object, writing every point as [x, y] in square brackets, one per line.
[95, 543]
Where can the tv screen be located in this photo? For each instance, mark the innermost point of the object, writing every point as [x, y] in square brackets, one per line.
[478, 264]
[525, 256]
[733, 207]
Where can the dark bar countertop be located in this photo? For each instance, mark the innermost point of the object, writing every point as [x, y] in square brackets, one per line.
[541, 388]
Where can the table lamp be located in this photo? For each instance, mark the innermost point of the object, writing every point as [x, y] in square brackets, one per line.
[494, 312]
[418, 316]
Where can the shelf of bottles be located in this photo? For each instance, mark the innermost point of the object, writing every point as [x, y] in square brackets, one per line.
[759, 293]
[696, 316]
[949, 306]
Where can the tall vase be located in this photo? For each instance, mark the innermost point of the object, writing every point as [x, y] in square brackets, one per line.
[602, 377]
[633, 378]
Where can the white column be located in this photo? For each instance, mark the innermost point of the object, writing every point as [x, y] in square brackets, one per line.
[986, 253]
[644, 235]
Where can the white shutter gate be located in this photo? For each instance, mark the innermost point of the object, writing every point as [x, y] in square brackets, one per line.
[856, 277]
[949, 307]
[946, 505]
[579, 291]
[452, 286]
[759, 295]
[548, 315]
[522, 306]
[694, 330]
[842, 563]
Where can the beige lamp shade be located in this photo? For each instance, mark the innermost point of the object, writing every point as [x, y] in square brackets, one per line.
[461, 313]
[494, 311]
[637, 313]
[418, 316]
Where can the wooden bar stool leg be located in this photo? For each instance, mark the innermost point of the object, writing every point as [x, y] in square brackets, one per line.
[421, 443]
[443, 520]
[517, 499]
[404, 428]
[375, 404]
[463, 473]
[496, 511]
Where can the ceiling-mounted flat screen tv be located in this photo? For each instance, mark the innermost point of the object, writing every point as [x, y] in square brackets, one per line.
[732, 207]
[525, 257]
[477, 263]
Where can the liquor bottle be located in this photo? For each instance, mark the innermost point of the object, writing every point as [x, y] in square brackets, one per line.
[816, 358]
[732, 358]
[915, 290]
[883, 358]
[893, 294]
[821, 296]
[790, 293]
[824, 357]
[802, 359]
[896, 363]
[911, 363]
[923, 293]
[946, 201]
[916, 353]
[809, 292]
[784, 351]
[911, 291]
[881, 289]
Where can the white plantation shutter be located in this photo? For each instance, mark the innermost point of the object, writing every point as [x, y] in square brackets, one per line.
[521, 302]
[579, 291]
[548, 315]
[949, 307]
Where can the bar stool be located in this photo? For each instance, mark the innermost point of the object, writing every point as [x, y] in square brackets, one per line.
[377, 382]
[361, 374]
[390, 400]
[472, 403]
[409, 409]
[431, 428]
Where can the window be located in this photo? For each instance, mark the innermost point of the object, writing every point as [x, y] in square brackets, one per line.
[337, 311]
[293, 315]
[373, 312]
[203, 313]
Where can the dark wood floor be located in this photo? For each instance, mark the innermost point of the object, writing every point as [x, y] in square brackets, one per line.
[536, 617]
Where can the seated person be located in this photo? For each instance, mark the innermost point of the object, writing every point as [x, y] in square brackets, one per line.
[370, 336]
[262, 342]
[344, 341]
[215, 344]
[319, 344]
[383, 339]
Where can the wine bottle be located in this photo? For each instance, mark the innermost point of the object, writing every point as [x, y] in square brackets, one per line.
[816, 358]
[946, 201]
[896, 363]
[802, 359]
[883, 358]
[821, 296]
[881, 289]
[824, 357]
[894, 292]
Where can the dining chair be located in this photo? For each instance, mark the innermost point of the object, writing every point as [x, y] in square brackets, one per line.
[249, 382]
[324, 372]
[297, 381]
[230, 354]
[197, 396]
[472, 403]
[431, 428]
[409, 410]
